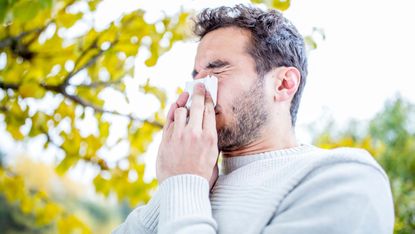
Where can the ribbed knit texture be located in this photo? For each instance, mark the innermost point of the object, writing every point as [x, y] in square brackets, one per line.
[188, 195]
[299, 190]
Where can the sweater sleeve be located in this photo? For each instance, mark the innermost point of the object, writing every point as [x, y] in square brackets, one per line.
[185, 206]
[143, 219]
[340, 198]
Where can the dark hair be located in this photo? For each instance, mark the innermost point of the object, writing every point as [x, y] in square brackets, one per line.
[275, 40]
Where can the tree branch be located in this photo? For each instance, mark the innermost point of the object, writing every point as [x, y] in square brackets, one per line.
[98, 109]
[60, 89]
[49, 138]
[6, 86]
[8, 41]
[4, 109]
[100, 83]
[89, 63]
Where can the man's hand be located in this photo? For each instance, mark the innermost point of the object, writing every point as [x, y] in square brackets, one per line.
[189, 146]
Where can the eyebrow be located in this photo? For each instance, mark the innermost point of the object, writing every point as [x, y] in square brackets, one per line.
[212, 65]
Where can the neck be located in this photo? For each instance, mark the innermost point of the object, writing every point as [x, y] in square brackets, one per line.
[271, 139]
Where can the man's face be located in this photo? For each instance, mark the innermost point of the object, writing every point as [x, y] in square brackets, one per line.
[241, 108]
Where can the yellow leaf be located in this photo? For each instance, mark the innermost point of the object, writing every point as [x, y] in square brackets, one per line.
[67, 20]
[65, 110]
[47, 214]
[27, 204]
[71, 224]
[281, 5]
[157, 92]
[15, 132]
[109, 35]
[129, 49]
[179, 90]
[31, 89]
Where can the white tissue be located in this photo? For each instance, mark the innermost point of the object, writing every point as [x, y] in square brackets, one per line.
[211, 85]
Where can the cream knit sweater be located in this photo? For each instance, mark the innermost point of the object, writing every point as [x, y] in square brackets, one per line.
[299, 190]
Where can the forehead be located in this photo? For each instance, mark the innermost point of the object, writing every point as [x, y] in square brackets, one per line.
[229, 44]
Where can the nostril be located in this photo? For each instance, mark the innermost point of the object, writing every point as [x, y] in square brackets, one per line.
[217, 109]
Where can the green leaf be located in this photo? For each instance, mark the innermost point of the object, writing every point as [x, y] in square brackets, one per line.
[310, 42]
[25, 10]
[3, 10]
[46, 3]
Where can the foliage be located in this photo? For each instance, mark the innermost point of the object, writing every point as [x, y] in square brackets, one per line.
[390, 138]
[281, 5]
[45, 64]
[35, 209]
[77, 213]
[56, 68]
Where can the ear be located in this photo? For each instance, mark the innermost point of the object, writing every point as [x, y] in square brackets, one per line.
[287, 80]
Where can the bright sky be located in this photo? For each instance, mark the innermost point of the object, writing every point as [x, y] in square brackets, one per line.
[366, 58]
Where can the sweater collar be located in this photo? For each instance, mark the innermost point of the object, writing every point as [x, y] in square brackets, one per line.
[230, 164]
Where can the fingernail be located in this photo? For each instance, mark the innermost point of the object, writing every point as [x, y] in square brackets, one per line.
[208, 96]
[200, 87]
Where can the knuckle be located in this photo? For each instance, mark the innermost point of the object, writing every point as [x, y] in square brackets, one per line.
[193, 134]
[172, 106]
[210, 138]
[196, 104]
[179, 111]
[209, 109]
[178, 136]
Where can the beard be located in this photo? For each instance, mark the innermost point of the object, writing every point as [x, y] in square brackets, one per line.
[249, 114]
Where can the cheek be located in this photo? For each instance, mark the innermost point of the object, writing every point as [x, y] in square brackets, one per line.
[224, 95]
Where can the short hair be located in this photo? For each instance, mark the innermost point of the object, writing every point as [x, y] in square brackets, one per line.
[275, 41]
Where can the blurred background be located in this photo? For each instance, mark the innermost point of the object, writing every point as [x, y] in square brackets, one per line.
[84, 86]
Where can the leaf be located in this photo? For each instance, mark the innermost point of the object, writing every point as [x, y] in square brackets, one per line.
[158, 93]
[27, 205]
[45, 3]
[71, 224]
[47, 214]
[129, 49]
[104, 128]
[93, 4]
[67, 162]
[31, 89]
[65, 110]
[281, 5]
[67, 20]
[39, 124]
[15, 132]
[101, 185]
[25, 10]
[310, 42]
[3, 10]
[109, 35]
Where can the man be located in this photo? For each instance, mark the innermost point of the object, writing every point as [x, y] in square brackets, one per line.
[270, 183]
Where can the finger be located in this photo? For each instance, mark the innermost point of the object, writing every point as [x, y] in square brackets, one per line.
[180, 115]
[181, 101]
[197, 108]
[209, 118]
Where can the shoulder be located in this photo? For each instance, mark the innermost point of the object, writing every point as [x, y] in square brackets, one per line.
[320, 160]
[342, 184]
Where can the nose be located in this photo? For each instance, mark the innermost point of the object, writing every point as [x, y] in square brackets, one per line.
[202, 74]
